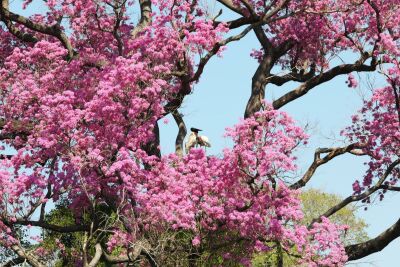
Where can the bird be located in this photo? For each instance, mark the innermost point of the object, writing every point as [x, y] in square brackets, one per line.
[195, 139]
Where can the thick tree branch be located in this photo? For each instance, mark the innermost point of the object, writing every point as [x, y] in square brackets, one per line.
[181, 132]
[177, 101]
[292, 76]
[135, 254]
[259, 80]
[396, 97]
[254, 18]
[115, 32]
[237, 23]
[54, 30]
[360, 250]
[31, 259]
[55, 228]
[145, 18]
[97, 256]
[229, 4]
[26, 37]
[390, 188]
[153, 147]
[318, 161]
[264, 41]
[321, 78]
[18, 129]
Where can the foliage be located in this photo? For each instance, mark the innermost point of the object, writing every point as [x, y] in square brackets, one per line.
[83, 85]
[314, 203]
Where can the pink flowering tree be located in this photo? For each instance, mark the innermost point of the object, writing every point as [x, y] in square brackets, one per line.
[83, 85]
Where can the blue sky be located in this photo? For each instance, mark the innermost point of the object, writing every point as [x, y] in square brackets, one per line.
[220, 97]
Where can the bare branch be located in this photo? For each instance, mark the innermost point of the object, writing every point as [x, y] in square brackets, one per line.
[237, 23]
[97, 256]
[365, 194]
[259, 80]
[31, 259]
[145, 19]
[115, 259]
[360, 250]
[55, 228]
[292, 76]
[26, 37]
[321, 78]
[254, 18]
[181, 132]
[133, 255]
[229, 4]
[318, 161]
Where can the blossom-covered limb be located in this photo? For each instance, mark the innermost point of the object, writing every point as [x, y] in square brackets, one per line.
[54, 30]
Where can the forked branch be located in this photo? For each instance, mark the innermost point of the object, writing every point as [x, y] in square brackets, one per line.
[54, 30]
[331, 153]
[322, 78]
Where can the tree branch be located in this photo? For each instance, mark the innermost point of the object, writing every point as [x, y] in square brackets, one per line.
[390, 188]
[132, 256]
[229, 4]
[323, 77]
[185, 89]
[215, 50]
[318, 161]
[145, 17]
[55, 228]
[259, 80]
[292, 76]
[97, 255]
[360, 250]
[358, 197]
[27, 256]
[153, 147]
[26, 37]
[54, 30]
[181, 132]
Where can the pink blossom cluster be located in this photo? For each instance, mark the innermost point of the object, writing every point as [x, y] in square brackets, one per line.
[80, 125]
[323, 28]
[377, 127]
[351, 81]
[237, 192]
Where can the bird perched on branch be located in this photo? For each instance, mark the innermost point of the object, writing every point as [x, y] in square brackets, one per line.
[196, 140]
